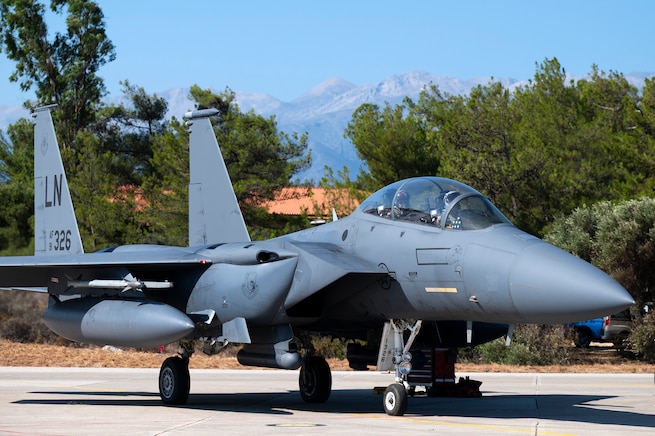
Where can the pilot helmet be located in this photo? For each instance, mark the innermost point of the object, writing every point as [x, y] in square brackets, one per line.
[402, 199]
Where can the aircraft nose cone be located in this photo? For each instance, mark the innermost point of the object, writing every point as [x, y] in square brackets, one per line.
[549, 285]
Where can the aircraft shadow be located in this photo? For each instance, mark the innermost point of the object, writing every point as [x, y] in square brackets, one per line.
[560, 407]
[556, 407]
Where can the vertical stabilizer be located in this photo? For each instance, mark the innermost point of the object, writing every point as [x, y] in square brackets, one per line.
[214, 213]
[55, 226]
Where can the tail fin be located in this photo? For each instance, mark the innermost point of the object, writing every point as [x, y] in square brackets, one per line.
[214, 213]
[55, 225]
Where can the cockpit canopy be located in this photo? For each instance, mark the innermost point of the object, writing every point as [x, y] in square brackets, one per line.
[434, 201]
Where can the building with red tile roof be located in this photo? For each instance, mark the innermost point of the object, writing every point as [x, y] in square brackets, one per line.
[316, 203]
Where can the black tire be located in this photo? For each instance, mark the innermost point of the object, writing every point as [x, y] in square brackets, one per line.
[582, 338]
[315, 380]
[395, 400]
[174, 381]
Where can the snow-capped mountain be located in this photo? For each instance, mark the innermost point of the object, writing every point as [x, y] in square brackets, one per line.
[325, 110]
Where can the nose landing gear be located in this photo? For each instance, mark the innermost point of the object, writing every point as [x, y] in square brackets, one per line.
[394, 354]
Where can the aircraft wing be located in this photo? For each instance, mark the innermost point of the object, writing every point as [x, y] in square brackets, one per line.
[18, 272]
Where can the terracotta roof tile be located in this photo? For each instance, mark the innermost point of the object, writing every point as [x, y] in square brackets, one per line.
[296, 200]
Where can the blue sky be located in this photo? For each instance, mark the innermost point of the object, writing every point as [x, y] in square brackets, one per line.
[286, 47]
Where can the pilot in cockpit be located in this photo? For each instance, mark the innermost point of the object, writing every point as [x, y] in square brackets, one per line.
[401, 204]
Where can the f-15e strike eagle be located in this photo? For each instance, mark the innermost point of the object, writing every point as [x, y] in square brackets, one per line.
[426, 260]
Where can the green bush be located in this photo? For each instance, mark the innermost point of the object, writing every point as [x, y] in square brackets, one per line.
[329, 347]
[531, 345]
[642, 339]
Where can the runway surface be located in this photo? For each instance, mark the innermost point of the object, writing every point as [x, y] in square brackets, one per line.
[89, 401]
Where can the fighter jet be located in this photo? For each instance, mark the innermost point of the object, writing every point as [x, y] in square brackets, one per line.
[426, 259]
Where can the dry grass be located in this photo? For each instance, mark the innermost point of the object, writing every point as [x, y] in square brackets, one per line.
[598, 359]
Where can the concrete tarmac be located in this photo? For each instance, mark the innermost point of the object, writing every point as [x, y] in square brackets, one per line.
[92, 401]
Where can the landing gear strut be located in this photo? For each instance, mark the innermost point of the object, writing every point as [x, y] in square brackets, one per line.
[174, 379]
[315, 380]
[395, 396]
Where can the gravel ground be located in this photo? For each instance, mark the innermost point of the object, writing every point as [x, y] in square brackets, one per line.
[599, 358]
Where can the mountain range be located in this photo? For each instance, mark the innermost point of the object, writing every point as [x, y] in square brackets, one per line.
[324, 111]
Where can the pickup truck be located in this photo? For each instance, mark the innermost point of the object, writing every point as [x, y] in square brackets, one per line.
[611, 328]
[584, 332]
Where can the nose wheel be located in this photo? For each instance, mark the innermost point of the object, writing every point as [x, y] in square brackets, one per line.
[395, 399]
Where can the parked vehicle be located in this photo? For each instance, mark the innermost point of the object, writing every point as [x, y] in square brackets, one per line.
[616, 328]
[613, 328]
[584, 332]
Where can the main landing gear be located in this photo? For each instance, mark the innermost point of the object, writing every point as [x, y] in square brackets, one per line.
[315, 380]
[174, 379]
